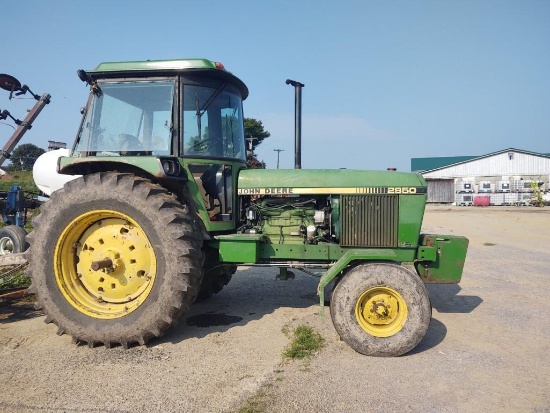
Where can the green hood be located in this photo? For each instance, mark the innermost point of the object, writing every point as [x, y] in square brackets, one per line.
[322, 181]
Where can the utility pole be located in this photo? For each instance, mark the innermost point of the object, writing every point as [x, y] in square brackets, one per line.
[278, 153]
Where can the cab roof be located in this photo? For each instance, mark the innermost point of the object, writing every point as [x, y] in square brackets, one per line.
[175, 64]
[167, 67]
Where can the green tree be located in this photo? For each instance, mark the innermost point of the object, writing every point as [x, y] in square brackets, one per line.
[254, 128]
[537, 194]
[24, 156]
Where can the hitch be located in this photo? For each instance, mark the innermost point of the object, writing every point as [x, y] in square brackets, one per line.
[285, 274]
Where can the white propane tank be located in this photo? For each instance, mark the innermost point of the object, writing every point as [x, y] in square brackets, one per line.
[44, 172]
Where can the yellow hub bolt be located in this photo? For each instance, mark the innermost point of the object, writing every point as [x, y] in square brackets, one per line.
[381, 311]
[104, 264]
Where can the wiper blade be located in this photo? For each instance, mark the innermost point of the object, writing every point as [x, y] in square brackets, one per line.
[209, 101]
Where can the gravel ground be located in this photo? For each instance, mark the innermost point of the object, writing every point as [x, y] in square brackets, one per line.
[487, 348]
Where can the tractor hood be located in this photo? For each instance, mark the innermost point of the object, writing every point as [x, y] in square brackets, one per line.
[323, 181]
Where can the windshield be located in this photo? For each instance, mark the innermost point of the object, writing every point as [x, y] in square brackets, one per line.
[213, 125]
[129, 119]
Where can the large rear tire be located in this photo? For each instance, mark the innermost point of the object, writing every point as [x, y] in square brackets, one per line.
[114, 258]
[381, 309]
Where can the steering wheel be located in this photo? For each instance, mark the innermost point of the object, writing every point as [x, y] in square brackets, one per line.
[205, 146]
[130, 144]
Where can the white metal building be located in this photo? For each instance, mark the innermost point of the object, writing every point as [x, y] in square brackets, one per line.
[503, 178]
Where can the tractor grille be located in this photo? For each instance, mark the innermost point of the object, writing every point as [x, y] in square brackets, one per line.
[369, 220]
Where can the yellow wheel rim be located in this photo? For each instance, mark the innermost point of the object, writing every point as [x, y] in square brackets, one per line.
[104, 264]
[381, 311]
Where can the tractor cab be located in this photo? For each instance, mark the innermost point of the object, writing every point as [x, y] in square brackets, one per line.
[174, 119]
[183, 116]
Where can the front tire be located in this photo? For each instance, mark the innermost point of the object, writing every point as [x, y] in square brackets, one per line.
[114, 258]
[381, 309]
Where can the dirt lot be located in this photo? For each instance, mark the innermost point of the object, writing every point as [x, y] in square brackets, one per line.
[487, 348]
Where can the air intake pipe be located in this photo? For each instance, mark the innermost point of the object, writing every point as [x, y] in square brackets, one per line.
[297, 122]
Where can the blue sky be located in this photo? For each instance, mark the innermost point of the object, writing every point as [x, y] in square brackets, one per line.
[385, 81]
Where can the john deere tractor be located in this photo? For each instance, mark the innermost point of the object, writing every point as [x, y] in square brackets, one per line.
[165, 210]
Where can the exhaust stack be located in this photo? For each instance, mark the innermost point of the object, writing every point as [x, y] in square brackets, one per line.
[297, 122]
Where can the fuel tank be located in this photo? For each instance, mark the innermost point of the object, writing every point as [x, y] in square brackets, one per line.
[44, 172]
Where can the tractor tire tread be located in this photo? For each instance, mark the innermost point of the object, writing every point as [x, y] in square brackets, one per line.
[397, 277]
[178, 240]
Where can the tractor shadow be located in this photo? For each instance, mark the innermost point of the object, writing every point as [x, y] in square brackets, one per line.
[445, 299]
[436, 334]
[253, 293]
[17, 309]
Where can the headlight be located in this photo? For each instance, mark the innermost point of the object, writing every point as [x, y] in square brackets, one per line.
[172, 167]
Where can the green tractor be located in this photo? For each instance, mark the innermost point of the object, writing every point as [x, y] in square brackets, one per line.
[165, 209]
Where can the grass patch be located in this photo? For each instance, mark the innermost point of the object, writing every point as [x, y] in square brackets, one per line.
[305, 343]
[22, 178]
[14, 278]
[256, 404]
